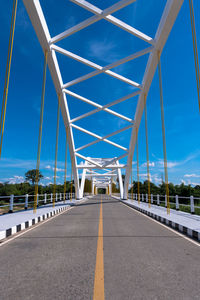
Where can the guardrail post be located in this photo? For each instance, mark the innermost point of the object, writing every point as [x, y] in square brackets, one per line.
[158, 200]
[45, 198]
[177, 203]
[152, 198]
[142, 197]
[26, 202]
[37, 200]
[136, 197]
[146, 198]
[60, 197]
[192, 204]
[56, 197]
[165, 200]
[11, 203]
[51, 197]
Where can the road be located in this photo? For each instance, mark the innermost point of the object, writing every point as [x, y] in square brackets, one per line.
[118, 254]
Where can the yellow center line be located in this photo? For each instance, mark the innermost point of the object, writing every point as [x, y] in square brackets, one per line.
[98, 293]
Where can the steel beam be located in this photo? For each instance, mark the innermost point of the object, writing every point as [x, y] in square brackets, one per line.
[169, 16]
[38, 21]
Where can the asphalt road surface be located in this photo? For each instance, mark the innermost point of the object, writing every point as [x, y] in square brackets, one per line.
[68, 258]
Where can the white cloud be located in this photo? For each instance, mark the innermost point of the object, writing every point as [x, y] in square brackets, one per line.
[151, 164]
[59, 169]
[52, 168]
[170, 164]
[192, 175]
[48, 167]
[104, 50]
[15, 179]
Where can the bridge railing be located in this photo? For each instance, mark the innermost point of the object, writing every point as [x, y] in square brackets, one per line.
[15, 203]
[189, 204]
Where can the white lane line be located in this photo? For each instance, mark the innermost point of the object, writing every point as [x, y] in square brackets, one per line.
[161, 224]
[33, 227]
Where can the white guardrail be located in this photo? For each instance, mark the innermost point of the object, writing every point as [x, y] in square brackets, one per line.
[176, 201]
[27, 201]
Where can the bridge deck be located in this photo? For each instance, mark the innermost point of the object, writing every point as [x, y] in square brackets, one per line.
[142, 259]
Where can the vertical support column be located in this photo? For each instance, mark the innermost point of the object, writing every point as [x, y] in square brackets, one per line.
[26, 201]
[121, 188]
[45, 198]
[56, 150]
[7, 77]
[40, 131]
[11, 203]
[158, 200]
[147, 151]
[165, 200]
[192, 205]
[92, 186]
[65, 176]
[131, 181]
[82, 183]
[37, 197]
[138, 176]
[177, 203]
[51, 197]
[163, 133]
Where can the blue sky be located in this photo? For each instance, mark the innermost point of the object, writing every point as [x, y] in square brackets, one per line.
[102, 43]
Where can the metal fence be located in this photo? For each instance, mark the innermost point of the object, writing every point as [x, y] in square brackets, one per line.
[13, 203]
[189, 204]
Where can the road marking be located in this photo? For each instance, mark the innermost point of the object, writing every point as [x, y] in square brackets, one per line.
[98, 293]
[171, 229]
[33, 227]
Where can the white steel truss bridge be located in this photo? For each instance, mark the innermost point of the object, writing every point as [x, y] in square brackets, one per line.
[102, 169]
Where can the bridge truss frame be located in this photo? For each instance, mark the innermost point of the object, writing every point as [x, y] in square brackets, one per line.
[48, 43]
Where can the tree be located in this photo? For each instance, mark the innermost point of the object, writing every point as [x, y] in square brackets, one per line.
[31, 176]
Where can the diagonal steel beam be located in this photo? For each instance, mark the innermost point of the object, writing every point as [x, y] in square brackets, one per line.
[95, 73]
[99, 138]
[104, 14]
[114, 160]
[101, 109]
[134, 94]
[117, 6]
[99, 68]
[89, 160]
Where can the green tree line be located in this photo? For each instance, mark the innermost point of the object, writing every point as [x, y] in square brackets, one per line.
[28, 187]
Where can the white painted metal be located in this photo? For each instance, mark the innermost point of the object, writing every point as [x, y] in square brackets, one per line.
[169, 16]
[82, 182]
[48, 44]
[104, 138]
[132, 95]
[94, 166]
[38, 21]
[104, 14]
[101, 69]
[97, 18]
[99, 138]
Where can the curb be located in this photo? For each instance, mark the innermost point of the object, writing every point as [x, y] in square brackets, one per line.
[17, 228]
[185, 230]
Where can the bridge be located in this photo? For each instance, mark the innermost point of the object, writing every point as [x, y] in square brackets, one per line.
[100, 235]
